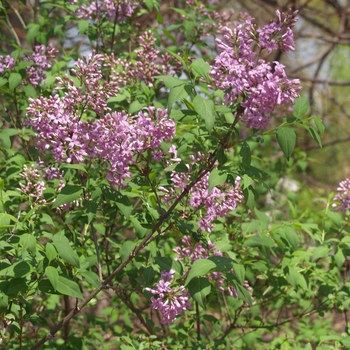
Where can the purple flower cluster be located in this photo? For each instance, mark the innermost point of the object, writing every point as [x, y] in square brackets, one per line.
[216, 203]
[168, 301]
[118, 10]
[40, 57]
[259, 86]
[64, 127]
[6, 62]
[32, 187]
[192, 252]
[342, 198]
[147, 64]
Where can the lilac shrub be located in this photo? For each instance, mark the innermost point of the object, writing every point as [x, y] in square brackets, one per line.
[137, 159]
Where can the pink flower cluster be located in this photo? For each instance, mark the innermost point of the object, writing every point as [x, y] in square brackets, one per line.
[33, 187]
[192, 252]
[259, 86]
[6, 62]
[35, 72]
[171, 302]
[168, 301]
[216, 203]
[65, 128]
[342, 198]
[114, 10]
[146, 66]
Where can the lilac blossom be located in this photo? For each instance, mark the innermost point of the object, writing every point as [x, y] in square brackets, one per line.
[147, 64]
[33, 187]
[35, 73]
[258, 85]
[190, 253]
[214, 204]
[6, 62]
[169, 301]
[114, 10]
[342, 198]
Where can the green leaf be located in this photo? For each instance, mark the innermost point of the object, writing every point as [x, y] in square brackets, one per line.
[216, 178]
[200, 67]
[3, 302]
[83, 26]
[90, 209]
[315, 135]
[346, 341]
[319, 125]
[245, 153]
[240, 289]
[6, 220]
[246, 181]
[5, 136]
[240, 272]
[222, 263]
[66, 252]
[30, 91]
[170, 81]
[124, 204]
[328, 338]
[199, 288]
[205, 108]
[34, 30]
[80, 166]
[29, 243]
[301, 106]
[14, 80]
[126, 249]
[51, 252]
[21, 269]
[92, 278]
[259, 240]
[180, 59]
[339, 258]
[17, 285]
[291, 236]
[68, 287]
[68, 194]
[295, 278]
[189, 26]
[3, 81]
[52, 274]
[166, 264]
[177, 93]
[320, 253]
[199, 268]
[286, 138]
